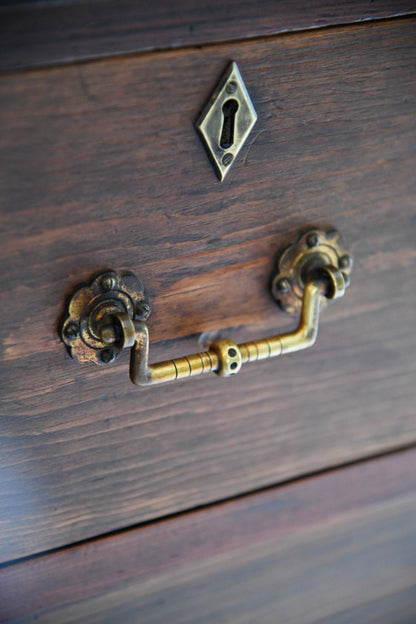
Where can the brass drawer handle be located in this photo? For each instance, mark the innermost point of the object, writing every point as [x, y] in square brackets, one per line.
[109, 314]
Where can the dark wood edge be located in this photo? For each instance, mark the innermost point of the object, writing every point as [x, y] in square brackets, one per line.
[40, 34]
[92, 568]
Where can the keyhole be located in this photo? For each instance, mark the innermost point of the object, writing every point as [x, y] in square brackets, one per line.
[229, 111]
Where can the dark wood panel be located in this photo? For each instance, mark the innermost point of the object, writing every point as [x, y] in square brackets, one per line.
[102, 167]
[337, 548]
[42, 33]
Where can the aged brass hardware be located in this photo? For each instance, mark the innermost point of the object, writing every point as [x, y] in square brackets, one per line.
[304, 259]
[226, 120]
[108, 314]
[95, 325]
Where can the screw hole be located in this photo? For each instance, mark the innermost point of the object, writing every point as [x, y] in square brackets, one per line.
[232, 352]
[233, 365]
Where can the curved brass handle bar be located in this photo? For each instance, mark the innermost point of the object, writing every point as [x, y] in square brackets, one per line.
[108, 314]
[225, 357]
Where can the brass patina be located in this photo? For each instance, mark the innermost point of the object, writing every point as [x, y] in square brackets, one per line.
[95, 324]
[304, 259]
[109, 314]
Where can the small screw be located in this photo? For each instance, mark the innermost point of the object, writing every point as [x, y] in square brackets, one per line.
[313, 240]
[107, 356]
[231, 87]
[232, 353]
[142, 310]
[227, 159]
[108, 282]
[283, 285]
[345, 262]
[71, 331]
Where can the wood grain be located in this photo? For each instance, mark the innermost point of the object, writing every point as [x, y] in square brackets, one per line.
[337, 548]
[47, 33]
[101, 167]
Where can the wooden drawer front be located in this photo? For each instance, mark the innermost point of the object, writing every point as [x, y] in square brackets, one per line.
[102, 167]
[301, 553]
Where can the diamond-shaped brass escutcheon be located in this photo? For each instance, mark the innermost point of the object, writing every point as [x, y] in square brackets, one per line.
[226, 120]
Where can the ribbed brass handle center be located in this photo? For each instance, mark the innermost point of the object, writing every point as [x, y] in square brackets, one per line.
[109, 314]
[225, 357]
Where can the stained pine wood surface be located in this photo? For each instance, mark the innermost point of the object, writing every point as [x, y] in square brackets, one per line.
[41, 33]
[101, 167]
[335, 548]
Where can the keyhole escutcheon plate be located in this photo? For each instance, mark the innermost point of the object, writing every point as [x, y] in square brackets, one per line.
[226, 120]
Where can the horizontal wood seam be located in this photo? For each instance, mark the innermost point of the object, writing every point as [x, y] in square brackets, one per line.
[338, 468]
[202, 46]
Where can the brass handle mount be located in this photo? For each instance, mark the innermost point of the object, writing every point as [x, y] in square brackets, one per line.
[109, 314]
